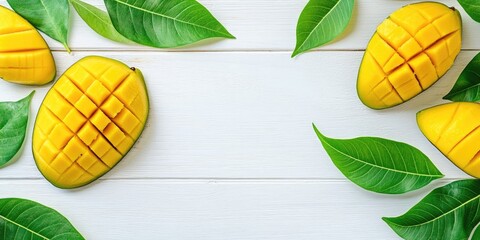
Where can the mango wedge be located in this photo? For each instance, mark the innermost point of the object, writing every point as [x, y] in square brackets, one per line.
[454, 129]
[409, 52]
[24, 55]
[88, 121]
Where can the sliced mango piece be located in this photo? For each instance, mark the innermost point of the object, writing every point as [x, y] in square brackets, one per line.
[410, 50]
[24, 55]
[454, 128]
[88, 121]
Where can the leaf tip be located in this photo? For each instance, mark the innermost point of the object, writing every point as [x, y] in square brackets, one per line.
[387, 220]
[30, 96]
[295, 53]
[319, 134]
[230, 36]
[447, 97]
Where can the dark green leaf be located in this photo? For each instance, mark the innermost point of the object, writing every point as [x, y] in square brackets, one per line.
[51, 17]
[98, 20]
[472, 7]
[320, 22]
[380, 165]
[24, 219]
[13, 126]
[449, 212]
[164, 24]
[467, 87]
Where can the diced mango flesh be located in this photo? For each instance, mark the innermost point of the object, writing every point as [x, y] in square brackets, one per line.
[454, 128]
[410, 51]
[24, 55]
[88, 121]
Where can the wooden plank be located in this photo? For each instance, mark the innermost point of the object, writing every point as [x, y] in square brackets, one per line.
[216, 210]
[249, 115]
[266, 25]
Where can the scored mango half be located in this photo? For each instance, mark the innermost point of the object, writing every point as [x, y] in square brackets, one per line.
[408, 53]
[454, 128]
[25, 57]
[88, 121]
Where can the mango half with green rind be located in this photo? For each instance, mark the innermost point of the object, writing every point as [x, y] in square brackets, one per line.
[89, 120]
[409, 52]
[454, 128]
[25, 57]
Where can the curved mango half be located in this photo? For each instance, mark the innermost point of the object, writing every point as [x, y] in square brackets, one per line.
[454, 128]
[24, 55]
[88, 121]
[409, 52]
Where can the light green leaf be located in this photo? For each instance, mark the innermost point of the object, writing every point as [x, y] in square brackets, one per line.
[320, 22]
[98, 20]
[164, 24]
[51, 17]
[13, 126]
[24, 219]
[380, 165]
[467, 87]
[450, 212]
[472, 7]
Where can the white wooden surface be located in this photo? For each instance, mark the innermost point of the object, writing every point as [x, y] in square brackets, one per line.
[229, 151]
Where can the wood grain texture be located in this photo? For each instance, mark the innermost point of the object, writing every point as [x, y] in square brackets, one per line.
[261, 25]
[249, 115]
[219, 210]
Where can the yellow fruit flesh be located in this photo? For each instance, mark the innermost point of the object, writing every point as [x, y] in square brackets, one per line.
[454, 129]
[24, 56]
[409, 52]
[88, 121]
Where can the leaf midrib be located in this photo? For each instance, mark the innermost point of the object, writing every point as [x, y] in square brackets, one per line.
[57, 31]
[377, 166]
[319, 23]
[172, 18]
[441, 216]
[21, 226]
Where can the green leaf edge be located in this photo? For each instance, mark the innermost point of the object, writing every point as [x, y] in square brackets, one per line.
[37, 205]
[452, 94]
[388, 221]
[78, 3]
[322, 138]
[64, 43]
[28, 99]
[469, 13]
[296, 51]
[226, 35]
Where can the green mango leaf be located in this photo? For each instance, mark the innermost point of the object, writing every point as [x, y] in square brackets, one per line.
[320, 22]
[164, 24]
[24, 219]
[472, 7]
[98, 20]
[51, 17]
[449, 212]
[380, 165]
[13, 127]
[467, 87]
